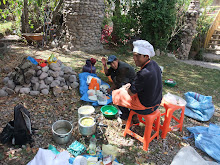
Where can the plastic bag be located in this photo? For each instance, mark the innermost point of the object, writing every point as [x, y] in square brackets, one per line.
[174, 99]
[188, 156]
[109, 150]
[198, 106]
[207, 139]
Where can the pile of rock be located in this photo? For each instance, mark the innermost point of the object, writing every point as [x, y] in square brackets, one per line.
[32, 79]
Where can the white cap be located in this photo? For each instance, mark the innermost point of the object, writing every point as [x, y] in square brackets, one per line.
[143, 47]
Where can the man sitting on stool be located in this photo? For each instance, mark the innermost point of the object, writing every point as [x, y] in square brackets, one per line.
[144, 94]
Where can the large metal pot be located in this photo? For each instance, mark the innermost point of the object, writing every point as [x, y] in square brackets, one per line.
[87, 130]
[62, 131]
[86, 110]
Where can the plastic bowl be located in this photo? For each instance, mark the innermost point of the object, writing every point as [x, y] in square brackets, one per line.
[171, 84]
[109, 111]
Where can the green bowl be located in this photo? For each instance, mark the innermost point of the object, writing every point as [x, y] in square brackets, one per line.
[170, 84]
[109, 111]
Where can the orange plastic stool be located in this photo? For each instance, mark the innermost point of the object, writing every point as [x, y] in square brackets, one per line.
[170, 109]
[153, 118]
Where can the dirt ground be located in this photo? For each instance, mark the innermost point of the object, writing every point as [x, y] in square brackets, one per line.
[46, 109]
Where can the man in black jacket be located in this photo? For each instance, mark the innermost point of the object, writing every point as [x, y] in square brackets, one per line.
[121, 73]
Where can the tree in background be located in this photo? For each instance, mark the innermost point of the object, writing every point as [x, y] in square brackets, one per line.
[20, 11]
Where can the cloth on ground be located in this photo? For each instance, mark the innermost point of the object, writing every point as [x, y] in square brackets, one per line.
[47, 157]
[198, 106]
[83, 88]
[207, 139]
[188, 156]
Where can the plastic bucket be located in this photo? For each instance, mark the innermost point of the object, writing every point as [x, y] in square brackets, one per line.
[62, 131]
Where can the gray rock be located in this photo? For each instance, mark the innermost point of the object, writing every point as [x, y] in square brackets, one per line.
[67, 70]
[36, 86]
[72, 78]
[45, 69]
[17, 88]
[57, 91]
[38, 67]
[42, 86]
[43, 76]
[27, 85]
[39, 72]
[55, 83]
[3, 93]
[62, 83]
[65, 88]
[34, 93]
[45, 91]
[25, 90]
[55, 66]
[9, 91]
[11, 84]
[61, 73]
[5, 80]
[53, 74]
[48, 80]
[66, 76]
[34, 80]
[74, 84]
[73, 73]
[61, 79]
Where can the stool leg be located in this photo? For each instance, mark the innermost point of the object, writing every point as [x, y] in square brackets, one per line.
[182, 117]
[147, 134]
[157, 125]
[166, 125]
[128, 124]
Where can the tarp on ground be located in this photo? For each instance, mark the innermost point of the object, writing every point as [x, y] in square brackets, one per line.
[83, 88]
[207, 139]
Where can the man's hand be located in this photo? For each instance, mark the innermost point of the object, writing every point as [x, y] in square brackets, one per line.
[126, 86]
[103, 61]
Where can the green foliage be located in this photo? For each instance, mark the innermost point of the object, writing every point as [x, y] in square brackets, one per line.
[35, 9]
[203, 24]
[155, 20]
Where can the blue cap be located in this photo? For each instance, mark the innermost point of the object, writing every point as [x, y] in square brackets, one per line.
[111, 58]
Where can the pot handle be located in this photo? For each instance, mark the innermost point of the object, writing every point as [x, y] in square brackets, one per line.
[102, 125]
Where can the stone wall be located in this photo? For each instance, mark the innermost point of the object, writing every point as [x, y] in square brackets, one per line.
[83, 20]
[189, 30]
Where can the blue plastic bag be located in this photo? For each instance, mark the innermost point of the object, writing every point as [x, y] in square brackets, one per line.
[198, 106]
[207, 139]
[83, 88]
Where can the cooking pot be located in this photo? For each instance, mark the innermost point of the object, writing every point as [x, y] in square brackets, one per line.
[62, 131]
[87, 125]
[86, 110]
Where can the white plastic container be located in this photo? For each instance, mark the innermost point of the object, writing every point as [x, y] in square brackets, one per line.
[101, 98]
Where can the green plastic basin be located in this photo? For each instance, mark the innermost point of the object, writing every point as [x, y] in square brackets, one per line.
[109, 111]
